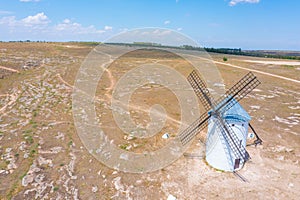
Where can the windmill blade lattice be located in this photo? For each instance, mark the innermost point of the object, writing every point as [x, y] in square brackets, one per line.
[189, 133]
[201, 90]
[237, 92]
[232, 96]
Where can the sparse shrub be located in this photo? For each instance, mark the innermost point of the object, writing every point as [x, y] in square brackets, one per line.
[32, 152]
[29, 139]
[289, 66]
[225, 59]
[124, 146]
[23, 175]
[55, 188]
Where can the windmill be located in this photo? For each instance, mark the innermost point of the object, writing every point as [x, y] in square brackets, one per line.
[227, 123]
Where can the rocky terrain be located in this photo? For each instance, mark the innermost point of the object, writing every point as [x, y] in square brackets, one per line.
[42, 157]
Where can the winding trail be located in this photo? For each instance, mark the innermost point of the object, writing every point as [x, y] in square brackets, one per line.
[65, 82]
[112, 85]
[110, 76]
[9, 69]
[110, 88]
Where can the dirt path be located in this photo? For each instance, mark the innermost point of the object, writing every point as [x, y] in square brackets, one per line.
[65, 82]
[247, 69]
[258, 71]
[273, 62]
[112, 85]
[110, 76]
[110, 88]
[9, 69]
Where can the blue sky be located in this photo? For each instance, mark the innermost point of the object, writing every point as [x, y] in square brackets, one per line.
[246, 24]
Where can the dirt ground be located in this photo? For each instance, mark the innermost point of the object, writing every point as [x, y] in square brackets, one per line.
[42, 156]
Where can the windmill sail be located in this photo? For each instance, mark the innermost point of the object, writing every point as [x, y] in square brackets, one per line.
[237, 92]
[189, 133]
[201, 90]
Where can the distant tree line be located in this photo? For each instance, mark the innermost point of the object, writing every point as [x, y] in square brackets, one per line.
[38, 41]
[90, 43]
[232, 51]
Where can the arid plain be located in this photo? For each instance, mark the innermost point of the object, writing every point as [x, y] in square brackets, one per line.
[42, 156]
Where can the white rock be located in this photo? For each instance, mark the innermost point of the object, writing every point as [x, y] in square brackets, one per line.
[124, 156]
[22, 146]
[11, 166]
[165, 136]
[171, 197]
[27, 179]
[130, 137]
[44, 161]
[94, 189]
[26, 155]
[7, 150]
[280, 158]
[117, 182]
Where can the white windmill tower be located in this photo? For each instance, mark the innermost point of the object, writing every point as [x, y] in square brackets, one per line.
[218, 151]
[227, 124]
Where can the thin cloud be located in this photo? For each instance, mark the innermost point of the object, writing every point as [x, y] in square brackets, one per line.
[214, 24]
[34, 20]
[67, 26]
[39, 27]
[235, 2]
[38, 19]
[8, 21]
[66, 21]
[107, 28]
[29, 1]
[167, 22]
[5, 12]
[162, 32]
